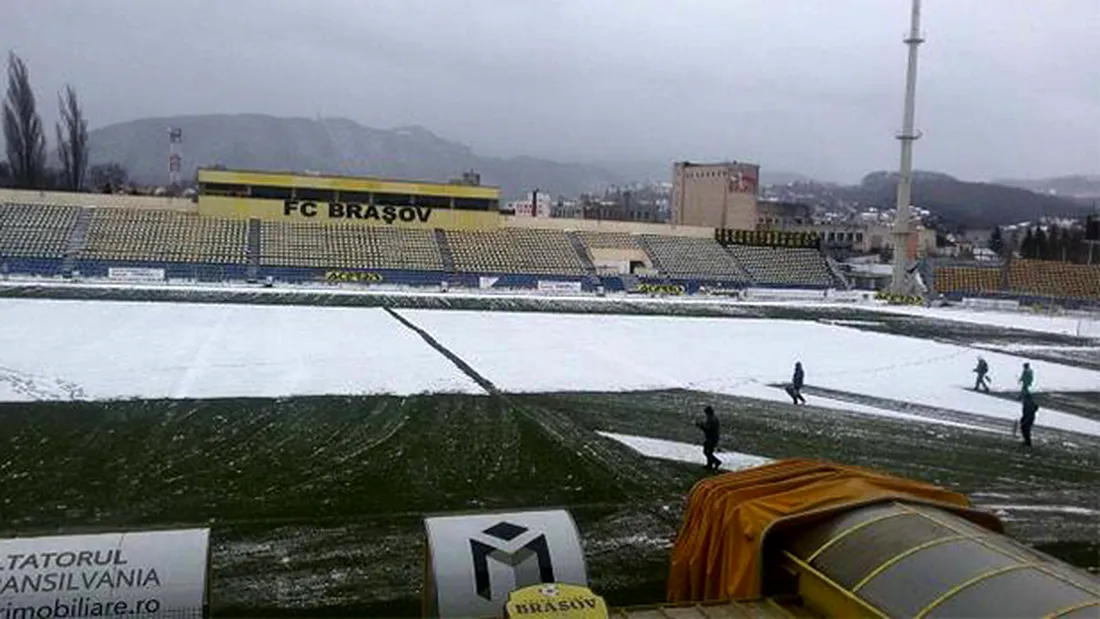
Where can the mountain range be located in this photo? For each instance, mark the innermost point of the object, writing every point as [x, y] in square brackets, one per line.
[328, 145]
[1080, 186]
[965, 203]
[954, 203]
[343, 146]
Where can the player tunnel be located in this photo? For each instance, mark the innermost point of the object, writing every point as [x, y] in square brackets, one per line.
[837, 541]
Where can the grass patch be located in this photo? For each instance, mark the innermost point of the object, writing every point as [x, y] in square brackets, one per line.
[316, 503]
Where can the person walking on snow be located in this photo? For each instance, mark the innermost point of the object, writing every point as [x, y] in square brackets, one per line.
[982, 382]
[1026, 378]
[1027, 419]
[797, 381]
[710, 429]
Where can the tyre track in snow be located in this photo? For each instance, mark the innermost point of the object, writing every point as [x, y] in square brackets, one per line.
[464, 367]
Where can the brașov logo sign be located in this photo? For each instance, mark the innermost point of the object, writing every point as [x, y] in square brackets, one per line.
[353, 210]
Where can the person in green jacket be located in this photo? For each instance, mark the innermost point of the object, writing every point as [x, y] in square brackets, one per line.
[1026, 378]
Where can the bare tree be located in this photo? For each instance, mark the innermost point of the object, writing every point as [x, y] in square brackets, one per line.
[25, 142]
[108, 177]
[72, 141]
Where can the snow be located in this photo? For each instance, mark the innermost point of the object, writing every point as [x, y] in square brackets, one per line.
[1087, 326]
[1025, 348]
[529, 352]
[776, 394]
[109, 350]
[1079, 326]
[1061, 509]
[51, 349]
[684, 452]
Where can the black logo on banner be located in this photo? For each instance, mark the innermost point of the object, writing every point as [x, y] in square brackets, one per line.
[508, 555]
[672, 289]
[354, 210]
[352, 276]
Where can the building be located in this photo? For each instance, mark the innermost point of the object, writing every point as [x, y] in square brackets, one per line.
[779, 215]
[719, 195]
[281, 196]
[639, 202]
[527, 208]
[567, 209]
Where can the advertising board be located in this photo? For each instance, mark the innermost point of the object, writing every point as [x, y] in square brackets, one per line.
[139, 574]
[135, 274]
[477, 560]
[551, 286]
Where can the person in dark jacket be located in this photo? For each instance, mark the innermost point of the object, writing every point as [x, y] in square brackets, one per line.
[1028, 418]
[797, 381]
[710, 429]
[981, 383]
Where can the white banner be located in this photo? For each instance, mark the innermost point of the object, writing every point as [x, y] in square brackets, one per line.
[850, 296]
[487, 282]
[145, 574]
[991, 304]
[135, 274]
[783, 294]
[559, 286]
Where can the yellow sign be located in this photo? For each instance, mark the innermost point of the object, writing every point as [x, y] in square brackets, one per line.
[671, 289]
[344, 183]
[555, 600]
[304, 211]
[352, 276]
[767, 238]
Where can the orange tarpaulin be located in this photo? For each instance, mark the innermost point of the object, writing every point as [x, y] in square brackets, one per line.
[717, 555]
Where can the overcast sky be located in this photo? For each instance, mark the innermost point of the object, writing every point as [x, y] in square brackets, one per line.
[1006, 88]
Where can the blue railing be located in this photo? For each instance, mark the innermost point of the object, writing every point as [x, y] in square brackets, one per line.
[216, 272]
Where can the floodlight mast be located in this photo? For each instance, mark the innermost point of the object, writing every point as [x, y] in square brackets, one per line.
[901, 282]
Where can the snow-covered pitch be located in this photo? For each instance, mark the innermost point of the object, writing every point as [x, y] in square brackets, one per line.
[110, 350]
[133, 414]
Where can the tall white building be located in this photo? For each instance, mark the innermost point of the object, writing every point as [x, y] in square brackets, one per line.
[526, 208]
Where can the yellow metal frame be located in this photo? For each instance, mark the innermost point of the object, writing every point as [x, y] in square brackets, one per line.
[983, 540]
[1069, 609]
[346, 183]
[779, 608]
[852, 529]
[970, 582]
[835, 599]
[887, 564]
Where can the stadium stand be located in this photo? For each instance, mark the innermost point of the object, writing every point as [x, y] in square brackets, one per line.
[783, 266]
[536, 252]
[36, 231]
[348, 247]
[164, 236]
[55, 239]
[1054, 279]
[953, 279]
[693, 258]
[608, 240]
